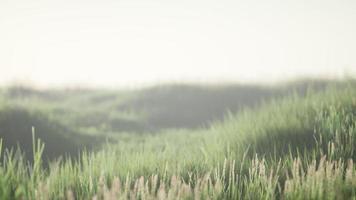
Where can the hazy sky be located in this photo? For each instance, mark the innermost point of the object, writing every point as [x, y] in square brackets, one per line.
[132, 42]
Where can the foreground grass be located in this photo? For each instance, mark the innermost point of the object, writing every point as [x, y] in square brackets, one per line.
[295, 148]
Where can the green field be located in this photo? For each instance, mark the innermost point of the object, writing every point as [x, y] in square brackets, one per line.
[290, 141]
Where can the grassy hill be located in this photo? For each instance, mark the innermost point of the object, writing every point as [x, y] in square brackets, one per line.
[68, 120]
[301, 146]
[16, 129]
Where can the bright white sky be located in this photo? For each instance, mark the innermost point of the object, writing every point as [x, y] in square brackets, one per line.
[135, 42]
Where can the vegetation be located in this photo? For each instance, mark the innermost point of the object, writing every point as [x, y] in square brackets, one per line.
[299, 147]
[69, 119]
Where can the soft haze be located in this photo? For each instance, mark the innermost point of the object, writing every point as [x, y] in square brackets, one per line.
[134, 42]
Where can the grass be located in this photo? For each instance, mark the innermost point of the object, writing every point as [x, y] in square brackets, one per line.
[298, 147]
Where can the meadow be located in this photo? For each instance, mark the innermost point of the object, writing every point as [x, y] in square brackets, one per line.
[295, 141]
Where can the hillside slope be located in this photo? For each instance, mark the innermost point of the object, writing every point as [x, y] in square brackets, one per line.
[298, 147]
[68, 120]
[17, 125]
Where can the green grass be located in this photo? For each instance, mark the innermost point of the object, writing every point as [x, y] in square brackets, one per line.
[298, 147]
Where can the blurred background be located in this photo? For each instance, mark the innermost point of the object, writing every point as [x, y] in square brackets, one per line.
[82, 72]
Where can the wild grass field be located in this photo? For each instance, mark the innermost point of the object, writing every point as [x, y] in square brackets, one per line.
[291, 141]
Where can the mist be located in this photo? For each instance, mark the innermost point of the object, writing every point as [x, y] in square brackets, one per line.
[135, 43]
[186, 99]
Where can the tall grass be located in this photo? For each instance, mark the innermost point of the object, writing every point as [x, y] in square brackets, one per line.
[295, 148]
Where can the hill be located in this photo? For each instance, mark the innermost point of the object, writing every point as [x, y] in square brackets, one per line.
[17, 125]
[299, 147]
[70, 119]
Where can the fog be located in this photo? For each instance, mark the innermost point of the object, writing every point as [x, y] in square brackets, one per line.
[134, 42]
